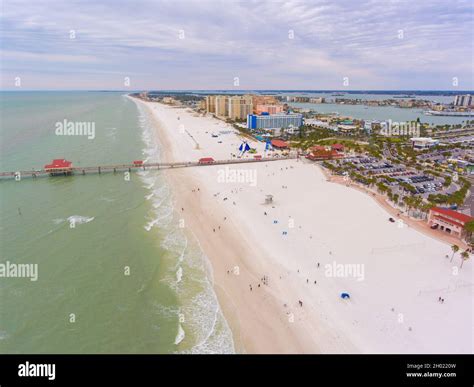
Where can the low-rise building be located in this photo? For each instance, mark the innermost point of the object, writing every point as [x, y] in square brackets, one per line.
[279, 144]
[423, 142]
[449, 221]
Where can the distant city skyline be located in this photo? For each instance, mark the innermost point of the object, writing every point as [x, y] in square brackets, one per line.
[237, 45]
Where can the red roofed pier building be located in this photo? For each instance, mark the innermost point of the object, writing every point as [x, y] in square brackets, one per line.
[206, 160]
[59, 167]
[449, 221]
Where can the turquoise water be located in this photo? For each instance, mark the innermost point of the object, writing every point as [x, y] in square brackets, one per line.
[124, 279]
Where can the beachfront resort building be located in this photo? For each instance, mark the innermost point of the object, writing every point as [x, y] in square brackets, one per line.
[449, 221]
[222, 106]
[240, 106]
[274, 121]
[210, 101]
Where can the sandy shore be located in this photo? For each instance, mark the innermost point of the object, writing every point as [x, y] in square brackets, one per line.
[279, 269]
[418, 224]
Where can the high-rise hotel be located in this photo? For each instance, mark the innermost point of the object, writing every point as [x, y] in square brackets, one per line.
[464, 100]
[274, 121]
[235, 107]
[240, 106]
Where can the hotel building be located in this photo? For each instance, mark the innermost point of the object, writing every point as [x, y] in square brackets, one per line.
[240, 106]
[210, 103]
[264, 100]
[270, 109]
[222, 106]
[274, 121]
[464, 100]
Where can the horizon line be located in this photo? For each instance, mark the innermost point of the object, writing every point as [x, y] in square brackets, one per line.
[240, 90]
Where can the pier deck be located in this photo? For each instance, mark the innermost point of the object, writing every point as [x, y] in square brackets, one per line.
[114, 168]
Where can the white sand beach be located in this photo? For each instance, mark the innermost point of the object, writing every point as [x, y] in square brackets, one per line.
[396, 276]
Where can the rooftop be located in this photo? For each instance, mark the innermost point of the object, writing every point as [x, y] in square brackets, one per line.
[463, 218]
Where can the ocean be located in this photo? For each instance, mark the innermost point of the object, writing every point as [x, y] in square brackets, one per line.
[116, 274]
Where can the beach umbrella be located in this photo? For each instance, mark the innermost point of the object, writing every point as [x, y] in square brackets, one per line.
[345, 296]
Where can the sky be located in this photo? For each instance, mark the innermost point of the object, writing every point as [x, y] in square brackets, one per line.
[247, 45]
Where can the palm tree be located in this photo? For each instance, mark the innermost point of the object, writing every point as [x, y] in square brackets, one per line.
[465, 256]
[455, 249]
[469, 227]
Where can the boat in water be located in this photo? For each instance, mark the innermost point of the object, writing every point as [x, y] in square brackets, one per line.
[449, 114]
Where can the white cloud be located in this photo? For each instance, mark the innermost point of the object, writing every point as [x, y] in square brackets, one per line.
[222, 38]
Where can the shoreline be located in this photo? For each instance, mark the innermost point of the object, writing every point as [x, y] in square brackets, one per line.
[268, 319]
[222, 262]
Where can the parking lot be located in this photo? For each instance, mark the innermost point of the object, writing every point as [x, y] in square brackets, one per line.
[396, 173]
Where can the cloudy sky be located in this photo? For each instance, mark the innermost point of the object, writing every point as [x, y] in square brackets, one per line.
[184, 44]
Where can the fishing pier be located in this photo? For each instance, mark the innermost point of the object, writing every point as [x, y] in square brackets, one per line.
[63, 167]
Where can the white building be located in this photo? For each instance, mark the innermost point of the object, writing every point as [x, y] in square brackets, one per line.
[423, 142]
[274, 121]
[463, 100]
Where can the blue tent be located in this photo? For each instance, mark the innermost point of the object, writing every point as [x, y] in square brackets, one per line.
[244, 147]
[345, 296]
